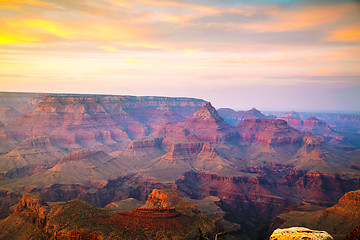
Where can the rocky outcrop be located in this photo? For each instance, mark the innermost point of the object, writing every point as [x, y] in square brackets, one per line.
[184, 150]
[76, 219]
[168, 199]
[235, 117]
[16, 100]
[7, 140]
[145, 143]
[316, 126]
[337, 220]
[7, 114]
[205, 125]
[253, 201]
[92, 121]
[33, 155]
[311, 124]
[354, 234]
[85, 166]
[337, 121]
[8, 200]
[270, 132]
[34, 208]
[295, 233]
[351, 199]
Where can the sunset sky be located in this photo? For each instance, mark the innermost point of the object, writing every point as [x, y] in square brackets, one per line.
[268, 54]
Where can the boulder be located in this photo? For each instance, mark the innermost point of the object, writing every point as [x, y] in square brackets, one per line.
[295, 233]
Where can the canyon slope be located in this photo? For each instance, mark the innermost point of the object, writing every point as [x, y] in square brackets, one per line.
[170, 219]
[103, 149]
[338, 220]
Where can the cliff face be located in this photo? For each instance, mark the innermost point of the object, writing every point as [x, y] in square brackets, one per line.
[338, 220]
[319, 127]
[31, 156]
[204, 125]
[341, 125]
[7, 114]
[93, 121]
[235, 117]
[270, 132]
[253, 200]
[168, 198]
[8, 200]
[16, 101]
[7, 140]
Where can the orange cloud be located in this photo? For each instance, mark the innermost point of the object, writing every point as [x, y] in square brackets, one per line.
[40, 25]
[346, 34]
[30, 30]
[306, 17]
[34, 30]
[122, 3]
[191, 6]
[17, 3]
[7, 37]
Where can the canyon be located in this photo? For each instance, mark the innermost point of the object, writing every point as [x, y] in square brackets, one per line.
[103, 149]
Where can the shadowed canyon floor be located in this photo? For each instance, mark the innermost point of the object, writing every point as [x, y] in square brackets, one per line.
[247, 166]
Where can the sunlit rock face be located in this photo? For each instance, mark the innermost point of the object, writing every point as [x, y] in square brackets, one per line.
[297, 233]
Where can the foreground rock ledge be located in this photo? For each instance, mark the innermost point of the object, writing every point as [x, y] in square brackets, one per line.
[299, 233]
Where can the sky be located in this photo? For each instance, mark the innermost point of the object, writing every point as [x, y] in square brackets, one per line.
[279, 55]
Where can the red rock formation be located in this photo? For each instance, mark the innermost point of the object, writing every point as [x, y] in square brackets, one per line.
[145, 143]
[270, 132]
[7, 140]
[7, 200]
[16, 100]
[234, 118]
[205, 125]
[337, 220]
[253, 200]
[92, 121]
[31, 156]
[315, 126]
[34, 219]
[7, 114]
[354, 234]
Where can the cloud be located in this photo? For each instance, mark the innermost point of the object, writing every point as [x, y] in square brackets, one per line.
[132, 60]
[109, 48]
[190, 52]
[345, 34]
[300, 18]
[18, 3]
[191, 42]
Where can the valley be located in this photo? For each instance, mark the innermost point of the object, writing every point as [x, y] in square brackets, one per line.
[105, 149]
